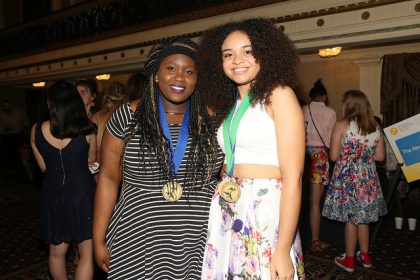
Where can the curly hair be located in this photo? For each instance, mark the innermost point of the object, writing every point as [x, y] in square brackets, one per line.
[272, 49]
[203, 152]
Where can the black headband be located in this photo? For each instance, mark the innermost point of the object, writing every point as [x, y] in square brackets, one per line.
[176, 49]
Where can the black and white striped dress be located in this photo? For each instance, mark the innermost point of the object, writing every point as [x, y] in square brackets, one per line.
[149, 237]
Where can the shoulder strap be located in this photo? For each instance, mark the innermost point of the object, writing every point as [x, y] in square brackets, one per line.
[319, 134]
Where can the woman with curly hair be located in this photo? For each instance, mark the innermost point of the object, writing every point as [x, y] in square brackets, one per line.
[167, 156]
[246, 71]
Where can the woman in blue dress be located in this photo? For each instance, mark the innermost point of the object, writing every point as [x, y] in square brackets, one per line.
[63, 146]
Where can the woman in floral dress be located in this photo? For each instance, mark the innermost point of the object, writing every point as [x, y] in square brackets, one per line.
[354, 195]
[247, 69]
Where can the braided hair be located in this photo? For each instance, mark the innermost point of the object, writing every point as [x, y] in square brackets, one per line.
[202, 156]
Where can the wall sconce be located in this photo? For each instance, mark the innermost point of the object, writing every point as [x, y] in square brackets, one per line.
[38, 84]
[103, 77]
[329, 52]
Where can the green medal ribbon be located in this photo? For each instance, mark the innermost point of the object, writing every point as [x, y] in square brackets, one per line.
[230, 128]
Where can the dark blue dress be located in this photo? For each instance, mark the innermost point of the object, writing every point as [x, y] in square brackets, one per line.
[67, 191]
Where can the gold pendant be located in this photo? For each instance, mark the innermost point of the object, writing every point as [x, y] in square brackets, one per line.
[172, 191]
[229, 190]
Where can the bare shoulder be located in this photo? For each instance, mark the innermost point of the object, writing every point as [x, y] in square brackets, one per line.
[283, 92]
[342, 124]
[341, 127]
[95, 118]
[134, 104]
[45, 125]
[90, 137]
[284, 100]
[46, 131]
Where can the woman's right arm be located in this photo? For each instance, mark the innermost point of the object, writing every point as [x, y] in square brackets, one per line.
[336, 138]
[91, 139]
[106, 195]
[39, 159]
[380, 149]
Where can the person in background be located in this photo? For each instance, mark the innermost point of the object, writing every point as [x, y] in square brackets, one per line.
[62, 147]
[354, 196]
[87, 90]
[169, 161]
[319, 120]
[381, 165]
[114, 96]
[136, 84]
[390, 164]
[13, 127]
[246, 70]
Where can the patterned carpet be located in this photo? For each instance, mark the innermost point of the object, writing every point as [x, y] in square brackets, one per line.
[396, 253]
[19, 215]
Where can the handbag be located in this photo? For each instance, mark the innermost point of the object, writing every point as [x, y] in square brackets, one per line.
[331, 163]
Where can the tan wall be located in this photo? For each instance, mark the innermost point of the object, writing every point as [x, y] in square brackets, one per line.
[338, 76]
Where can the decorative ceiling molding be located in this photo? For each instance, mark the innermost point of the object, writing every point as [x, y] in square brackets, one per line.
[337, 10]
[361, 33]
[130, 56]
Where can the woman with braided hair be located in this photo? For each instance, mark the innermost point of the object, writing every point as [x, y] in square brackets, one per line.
[167, 157]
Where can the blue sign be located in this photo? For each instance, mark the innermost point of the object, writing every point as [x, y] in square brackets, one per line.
[409, 147]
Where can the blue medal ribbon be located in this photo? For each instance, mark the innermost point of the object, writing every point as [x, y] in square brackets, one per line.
[179, 151]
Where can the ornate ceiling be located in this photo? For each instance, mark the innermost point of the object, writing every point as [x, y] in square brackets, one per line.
[310, 24]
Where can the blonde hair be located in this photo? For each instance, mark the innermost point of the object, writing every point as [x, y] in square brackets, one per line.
[356, 107]
[114, 96]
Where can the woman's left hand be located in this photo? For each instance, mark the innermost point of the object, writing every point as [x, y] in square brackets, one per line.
[281, 266]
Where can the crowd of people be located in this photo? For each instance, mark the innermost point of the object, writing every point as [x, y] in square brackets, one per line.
[200, 162]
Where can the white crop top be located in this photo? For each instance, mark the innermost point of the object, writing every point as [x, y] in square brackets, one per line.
[255, 139]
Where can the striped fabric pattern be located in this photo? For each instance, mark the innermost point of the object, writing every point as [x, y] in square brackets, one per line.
[148, 237]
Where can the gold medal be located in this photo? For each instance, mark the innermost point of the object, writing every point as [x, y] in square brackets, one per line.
[172, 191]
[229, 190]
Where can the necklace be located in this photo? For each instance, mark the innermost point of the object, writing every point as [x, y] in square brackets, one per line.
[174, 113]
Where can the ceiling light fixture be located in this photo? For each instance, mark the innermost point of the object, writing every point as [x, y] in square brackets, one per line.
[329, 52]
[103, 77]
[38, 84]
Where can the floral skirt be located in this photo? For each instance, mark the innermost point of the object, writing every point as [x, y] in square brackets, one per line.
[319, 169]
[242, 236]
[354, 196]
